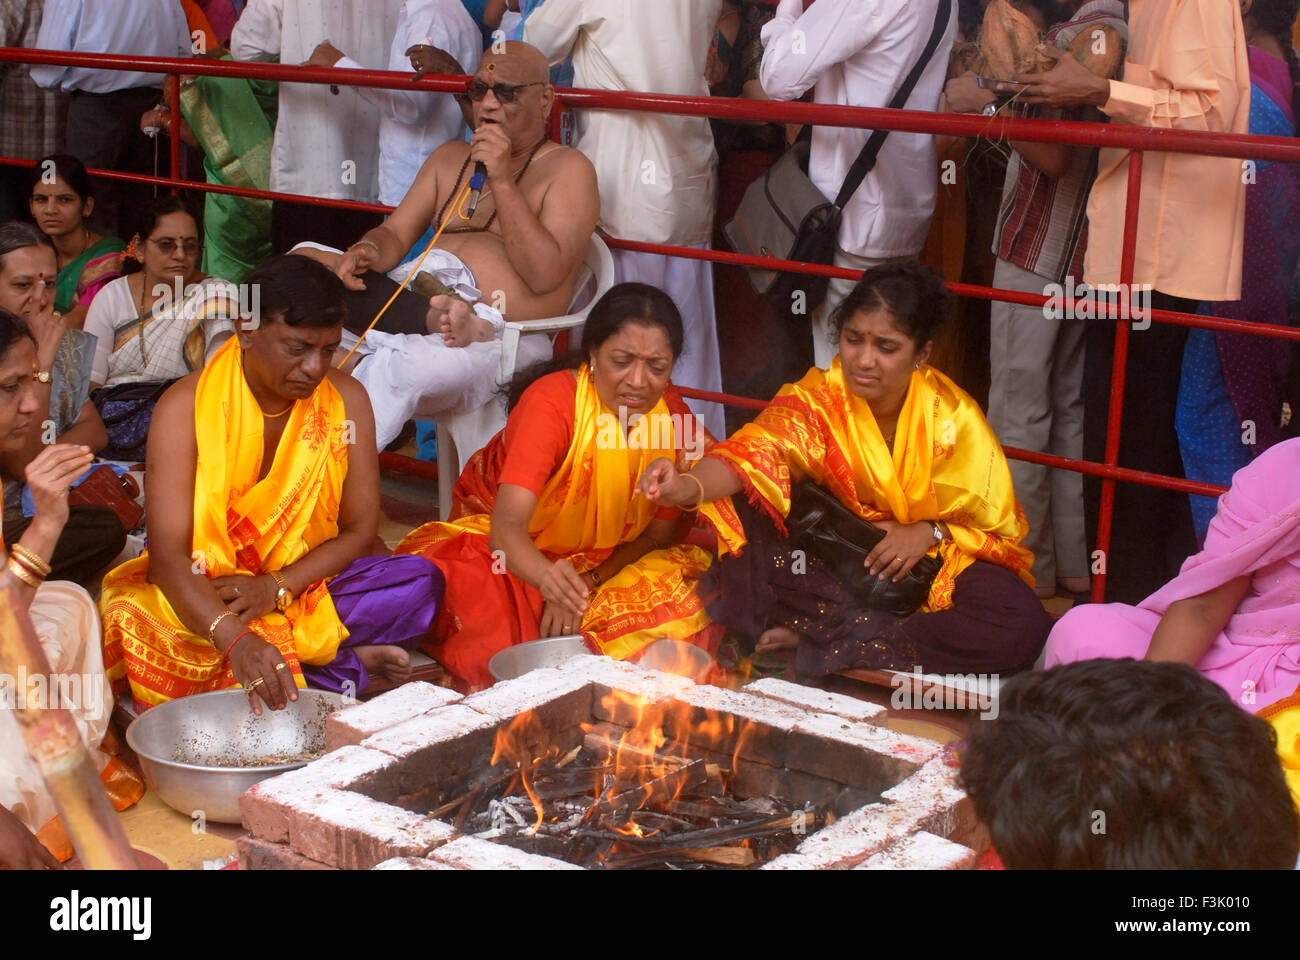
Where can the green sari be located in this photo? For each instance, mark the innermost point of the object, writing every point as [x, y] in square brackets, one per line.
[234, 122]
[81, 279]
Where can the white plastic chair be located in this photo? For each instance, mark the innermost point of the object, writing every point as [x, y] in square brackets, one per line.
[461, 435]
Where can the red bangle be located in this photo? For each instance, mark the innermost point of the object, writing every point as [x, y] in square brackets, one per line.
[246, 633]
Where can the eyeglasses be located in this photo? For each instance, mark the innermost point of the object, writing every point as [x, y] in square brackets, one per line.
[476, 90]
[168, 245]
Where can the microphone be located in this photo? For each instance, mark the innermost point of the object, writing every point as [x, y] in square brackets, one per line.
[476, 186]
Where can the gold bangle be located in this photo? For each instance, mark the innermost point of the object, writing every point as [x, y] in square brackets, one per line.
[212, 627]
[369, 243]
[699, 483]
[23, 574]
[41, 566]
[26, 565]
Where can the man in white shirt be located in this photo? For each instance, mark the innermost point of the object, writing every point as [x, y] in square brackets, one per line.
[104, 110]
[857, 53]
[326, 142]
[414, 123]
[657, 172]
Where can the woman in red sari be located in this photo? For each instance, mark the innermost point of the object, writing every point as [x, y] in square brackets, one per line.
[548, 535]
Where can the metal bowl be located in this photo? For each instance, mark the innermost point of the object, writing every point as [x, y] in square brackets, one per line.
[549, 652]
[201, 752]
[674, 656]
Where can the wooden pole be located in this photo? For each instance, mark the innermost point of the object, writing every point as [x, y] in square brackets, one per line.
[55, 744]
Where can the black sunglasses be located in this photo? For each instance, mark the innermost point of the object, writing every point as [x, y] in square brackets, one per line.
[476, 90]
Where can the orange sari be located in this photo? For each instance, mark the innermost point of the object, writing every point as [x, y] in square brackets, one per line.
[241, 525]
[946, 464]
[586, 509]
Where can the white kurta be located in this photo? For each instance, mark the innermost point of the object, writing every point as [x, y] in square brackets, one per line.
[657, 172]
[414, 123]
[857, 53]
[325, 145]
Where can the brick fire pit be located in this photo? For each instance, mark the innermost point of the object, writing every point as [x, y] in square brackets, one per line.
[365, 804]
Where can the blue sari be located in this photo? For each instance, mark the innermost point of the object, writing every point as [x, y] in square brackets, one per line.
[1232, 386]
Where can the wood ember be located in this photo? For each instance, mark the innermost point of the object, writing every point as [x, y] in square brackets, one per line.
[618, 816]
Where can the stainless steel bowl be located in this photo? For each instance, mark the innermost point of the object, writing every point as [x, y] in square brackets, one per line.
[675, 656]
[549, 652]
[201, 752]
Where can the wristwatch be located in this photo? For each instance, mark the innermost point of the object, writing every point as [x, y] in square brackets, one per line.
[990, 109]
[43, 376]
[282, 596]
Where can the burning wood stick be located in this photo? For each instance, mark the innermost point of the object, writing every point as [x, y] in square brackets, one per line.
[54, 743]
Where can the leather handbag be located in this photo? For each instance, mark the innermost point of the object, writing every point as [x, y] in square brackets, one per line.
[783, 215]
[823, 526]
[103, 487]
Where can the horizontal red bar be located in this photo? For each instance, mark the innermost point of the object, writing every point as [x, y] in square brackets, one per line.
[1122, 136]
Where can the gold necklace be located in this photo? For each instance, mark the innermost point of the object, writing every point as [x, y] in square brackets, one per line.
[277, 416]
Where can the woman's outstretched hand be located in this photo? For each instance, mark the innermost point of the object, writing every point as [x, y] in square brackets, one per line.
[660, 484]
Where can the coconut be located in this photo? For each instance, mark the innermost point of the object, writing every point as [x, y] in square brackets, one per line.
[1099, 49]
[1009, 41]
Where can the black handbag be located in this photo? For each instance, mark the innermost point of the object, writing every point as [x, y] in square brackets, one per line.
[127, 410]
[821, 525]
[783, 215]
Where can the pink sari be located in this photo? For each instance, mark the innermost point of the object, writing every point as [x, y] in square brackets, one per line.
[1256, 532]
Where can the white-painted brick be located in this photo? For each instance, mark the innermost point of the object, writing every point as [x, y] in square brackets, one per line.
[389, 709]
[788, 861]
[870, 736]
[921, 851]
[471, 853]
[537, 688]
[819, 701]
[413, 863]
[443, 724]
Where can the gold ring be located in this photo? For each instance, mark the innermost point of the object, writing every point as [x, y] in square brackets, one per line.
[282, 666]
[253, 685]
[898, 559]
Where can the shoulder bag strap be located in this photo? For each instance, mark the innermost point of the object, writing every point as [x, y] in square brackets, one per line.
[867, 158]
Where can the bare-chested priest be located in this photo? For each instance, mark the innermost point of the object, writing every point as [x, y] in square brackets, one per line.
[517, 257]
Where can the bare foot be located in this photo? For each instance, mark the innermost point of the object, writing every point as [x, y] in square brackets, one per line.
[777, 638]
[457, 322]
[390, 662]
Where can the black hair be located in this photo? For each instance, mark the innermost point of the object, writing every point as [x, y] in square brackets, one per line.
[12, 329]
[914, 294]
[1277, 19]
[156, 209]
[298, 291]
[624, 303]
[68, 168]
[1128, 764]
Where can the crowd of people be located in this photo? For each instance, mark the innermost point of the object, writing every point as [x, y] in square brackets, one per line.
[256, 355]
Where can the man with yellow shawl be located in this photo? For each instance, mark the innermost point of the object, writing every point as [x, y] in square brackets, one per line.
[548, 537]
[263, 491]
[898, 444]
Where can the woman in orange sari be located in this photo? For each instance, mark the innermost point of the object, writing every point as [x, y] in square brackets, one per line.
[900, 445]
[548, 536]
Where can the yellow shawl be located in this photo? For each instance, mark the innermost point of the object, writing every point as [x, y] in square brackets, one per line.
[590, 504]
[946, 465]
[1284, 715]
[241, 525]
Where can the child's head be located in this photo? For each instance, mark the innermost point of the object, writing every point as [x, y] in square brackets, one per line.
[1129, 764]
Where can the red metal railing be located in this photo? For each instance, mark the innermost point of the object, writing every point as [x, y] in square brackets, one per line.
[1135, 139]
